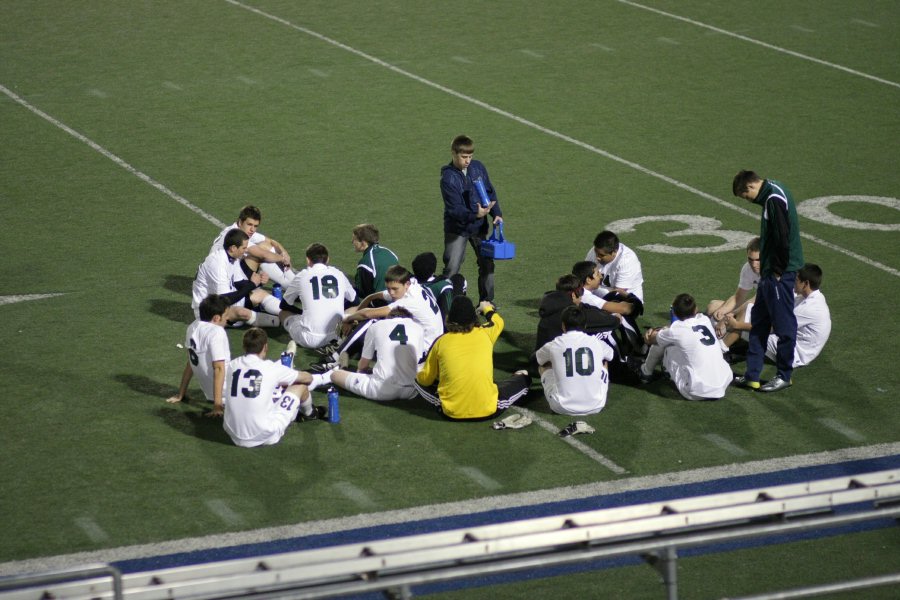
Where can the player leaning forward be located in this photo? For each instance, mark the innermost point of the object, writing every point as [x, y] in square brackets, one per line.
[690, 352]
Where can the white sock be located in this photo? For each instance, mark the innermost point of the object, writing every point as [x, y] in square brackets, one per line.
[264, 320]
[276, 275]
[306, 405]
[271, 305]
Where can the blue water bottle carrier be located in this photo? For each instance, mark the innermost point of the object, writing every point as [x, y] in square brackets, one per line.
[497, 247]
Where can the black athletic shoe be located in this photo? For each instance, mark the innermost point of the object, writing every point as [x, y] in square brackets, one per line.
[324, 366]
[319, 413]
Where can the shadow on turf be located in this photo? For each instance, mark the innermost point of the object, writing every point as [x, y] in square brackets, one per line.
[186, 417]
[180, 312]
[179, 283]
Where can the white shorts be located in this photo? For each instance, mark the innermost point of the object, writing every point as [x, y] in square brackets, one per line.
[303, 336]
[365, 385]
[279, 419]
[551, 393]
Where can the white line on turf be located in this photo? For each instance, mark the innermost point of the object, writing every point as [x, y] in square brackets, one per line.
[668, 40]
[25, 298]
[172, 86]
[846, 431]
[319, 73]
[355, 494]
[92, 529]
[866, 23]
[763, 44]
[570, 440]
[450, 509]
[725, 444]
[551, 132]
[481, 478]
[220, 508]
[98, 148]
[802, 29]
[531, 53]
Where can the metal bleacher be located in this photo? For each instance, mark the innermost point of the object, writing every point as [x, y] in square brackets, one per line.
[654, 531]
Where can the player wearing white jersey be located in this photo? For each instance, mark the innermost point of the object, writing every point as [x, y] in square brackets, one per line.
[573, 367]
[724, 312]
[405, 292]
[208, 353]
[690, 352]
[215, 276]
[395, 344]
[262, 252]
[322, 291]
[619, 266]
[263, 397]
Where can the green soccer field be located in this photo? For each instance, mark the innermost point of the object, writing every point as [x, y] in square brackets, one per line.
[132, 131]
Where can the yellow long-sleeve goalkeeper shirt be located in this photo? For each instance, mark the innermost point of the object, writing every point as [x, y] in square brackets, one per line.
[463, 365]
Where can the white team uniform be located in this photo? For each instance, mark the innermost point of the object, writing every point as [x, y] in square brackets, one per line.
[748, 279]
[274, 271]
[420, 303]
[624, 272]
[396, 345]
[692, 355]
[206, 343]
[256, 413]
[214, 276]
[322, 290]
[578, 381]
[813, 328]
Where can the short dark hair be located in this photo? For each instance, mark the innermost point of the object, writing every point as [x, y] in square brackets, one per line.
[317, 253]
[366, 232]
[234, 237]
[399, 312]
[573, 318]
[753, 244]
[684, 306]
[397, 274]
[250, 212]
[742, 181]
[569, 283]
[606, 241]
[584, 270]
[255, 339]
[424, 265]
[811, 274]
[211, 306]
[462, 143]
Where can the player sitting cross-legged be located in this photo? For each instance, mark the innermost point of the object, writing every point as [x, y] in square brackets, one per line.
[573, 367]
[323, 292]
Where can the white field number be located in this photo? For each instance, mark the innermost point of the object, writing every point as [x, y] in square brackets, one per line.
[816, 209]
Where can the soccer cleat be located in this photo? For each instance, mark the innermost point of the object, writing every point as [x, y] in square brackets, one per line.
[774, 385]
[319, 413]
[743, 382]
[328, 350]
[324, 366]
[635, 365]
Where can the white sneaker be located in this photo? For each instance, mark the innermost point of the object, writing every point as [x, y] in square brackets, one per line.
[290, 351]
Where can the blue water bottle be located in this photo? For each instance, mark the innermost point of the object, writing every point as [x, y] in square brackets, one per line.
[277, 291]
[334, 413]
[482, 192]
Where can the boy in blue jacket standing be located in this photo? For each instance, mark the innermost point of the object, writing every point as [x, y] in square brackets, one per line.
[465, 218]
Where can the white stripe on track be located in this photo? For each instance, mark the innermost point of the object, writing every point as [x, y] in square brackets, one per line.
[98, 148]
[751, 40]
[547, 131]
[449, 509]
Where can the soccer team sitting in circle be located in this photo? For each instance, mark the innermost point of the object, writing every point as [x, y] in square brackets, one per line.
[417, 334]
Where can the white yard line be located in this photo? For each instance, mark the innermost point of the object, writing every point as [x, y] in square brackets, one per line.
[570, 440]
[449, 509]
[106, 153]
[751, 40]
[551, 132]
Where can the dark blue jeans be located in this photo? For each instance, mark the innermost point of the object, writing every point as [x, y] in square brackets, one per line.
[773, 312]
